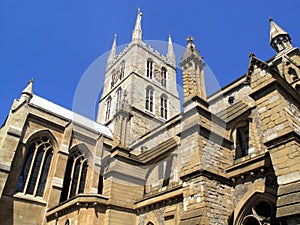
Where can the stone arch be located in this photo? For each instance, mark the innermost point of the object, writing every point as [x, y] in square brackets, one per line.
[40, 133]
[85, 150]
[149, 223]
[36, 169]
[249, 208]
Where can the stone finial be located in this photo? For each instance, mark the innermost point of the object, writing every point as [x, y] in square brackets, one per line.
[26, 96]
[28, 89]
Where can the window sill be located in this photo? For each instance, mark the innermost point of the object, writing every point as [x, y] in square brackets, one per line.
[30, 198]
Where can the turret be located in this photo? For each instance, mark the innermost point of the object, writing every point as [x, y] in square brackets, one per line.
[193, 73]
[279, 39]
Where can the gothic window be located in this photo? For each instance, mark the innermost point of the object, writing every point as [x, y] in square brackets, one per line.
[113, 78]
[149, 99]
[36, 166]
[163, 107]
[240, 137]
[149, 68]
[163, 76]
[259, 211]
[75, 175]
[108, 107]
[119, 99]
[122, 70]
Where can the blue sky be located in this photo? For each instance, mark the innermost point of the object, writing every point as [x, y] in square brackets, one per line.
[56, 41]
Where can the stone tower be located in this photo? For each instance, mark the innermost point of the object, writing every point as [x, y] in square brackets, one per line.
[149, 80]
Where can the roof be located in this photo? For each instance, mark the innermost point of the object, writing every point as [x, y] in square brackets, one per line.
[233, 111]
[68, 114]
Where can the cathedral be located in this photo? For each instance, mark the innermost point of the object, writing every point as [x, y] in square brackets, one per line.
[230, 158]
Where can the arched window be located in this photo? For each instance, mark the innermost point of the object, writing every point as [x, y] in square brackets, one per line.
[119, 99]
[163, 76]
[240, 137]
[75, 175]
[163, 107]
[36, 166]
[108, 107]
[150, 223]
[149, 99]
[149, 68]
[122, 70]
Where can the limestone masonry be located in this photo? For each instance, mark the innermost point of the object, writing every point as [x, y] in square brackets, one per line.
[229, 158]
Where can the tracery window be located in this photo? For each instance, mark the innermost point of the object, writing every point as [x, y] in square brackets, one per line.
[75, 175]
[149, 99]
[163, 77]
[149, 68]
[36, 166]
[163, 107]
[261, 211]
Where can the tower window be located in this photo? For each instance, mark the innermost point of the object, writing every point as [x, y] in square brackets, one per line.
[240, 137]
[113, 78]
[149, 99]
[75, 175]
[35, 170]
[149, 68]
[119, 99]
[108, 107]
[163, 107]
[122, 70]
[163, 78]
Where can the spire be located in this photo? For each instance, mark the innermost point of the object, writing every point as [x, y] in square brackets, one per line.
[279, 38]
[112, 55]
[171, 54]
[137, 31]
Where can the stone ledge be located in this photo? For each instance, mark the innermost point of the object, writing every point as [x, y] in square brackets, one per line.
[161, 196]
[14, 131]
[288, 210]
[5, 166]
[75, 203]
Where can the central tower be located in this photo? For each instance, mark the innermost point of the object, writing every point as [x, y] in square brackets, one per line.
[143, 81]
